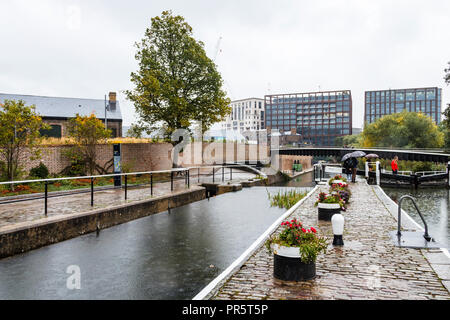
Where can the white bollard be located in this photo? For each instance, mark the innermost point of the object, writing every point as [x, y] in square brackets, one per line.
[378, 172]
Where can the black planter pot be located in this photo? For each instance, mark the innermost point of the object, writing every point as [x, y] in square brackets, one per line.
[293, 269]
[325, 214]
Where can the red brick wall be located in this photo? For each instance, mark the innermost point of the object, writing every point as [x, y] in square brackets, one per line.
[154, 156]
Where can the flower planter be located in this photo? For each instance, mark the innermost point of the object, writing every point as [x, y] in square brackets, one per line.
[338, 181]
[288, 266]
[326, 210]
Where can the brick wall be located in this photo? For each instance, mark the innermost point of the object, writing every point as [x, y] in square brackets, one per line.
[155, 156]
[286, 162]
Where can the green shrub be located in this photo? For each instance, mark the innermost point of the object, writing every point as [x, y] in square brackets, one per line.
[422, 166]
[41, 171]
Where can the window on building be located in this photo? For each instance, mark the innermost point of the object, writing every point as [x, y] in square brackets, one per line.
[431, 94]
[420, 95]
[400, 96]
[53, 132]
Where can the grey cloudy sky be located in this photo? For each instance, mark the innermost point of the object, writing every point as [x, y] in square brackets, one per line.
[83, 48]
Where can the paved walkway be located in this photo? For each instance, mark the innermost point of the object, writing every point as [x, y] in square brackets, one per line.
[13, 213]
[368, 266]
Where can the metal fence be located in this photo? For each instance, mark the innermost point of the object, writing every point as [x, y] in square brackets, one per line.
[217, 173]
[428, 173]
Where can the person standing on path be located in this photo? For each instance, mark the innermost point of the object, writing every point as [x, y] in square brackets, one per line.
[394, 165]
[348, 168]
[354, 165]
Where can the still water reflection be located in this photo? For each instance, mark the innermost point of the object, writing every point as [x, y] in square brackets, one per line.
[163, 256]
[434, 203]
[305, 180]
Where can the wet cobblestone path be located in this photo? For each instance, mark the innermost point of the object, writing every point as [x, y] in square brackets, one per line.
[368, 266]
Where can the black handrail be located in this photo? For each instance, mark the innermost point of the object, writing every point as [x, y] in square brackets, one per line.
[186, 172]
[399, 233]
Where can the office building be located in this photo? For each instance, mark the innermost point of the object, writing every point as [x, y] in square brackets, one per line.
[383, 102]
[318, 117]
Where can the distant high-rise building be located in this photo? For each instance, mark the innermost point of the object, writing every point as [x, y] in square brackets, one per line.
[319, 117]
[383, 102]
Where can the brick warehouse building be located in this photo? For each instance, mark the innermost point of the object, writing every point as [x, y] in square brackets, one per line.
[318, 117]
[56, 111]
[383, 102]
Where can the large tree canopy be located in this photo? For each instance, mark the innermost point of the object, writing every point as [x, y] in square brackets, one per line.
[403, 130]
[176, 82]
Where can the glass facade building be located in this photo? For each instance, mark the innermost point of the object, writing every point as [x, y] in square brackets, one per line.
[382, 102]
[319, 117]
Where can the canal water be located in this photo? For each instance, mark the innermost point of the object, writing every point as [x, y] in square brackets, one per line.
[163, 256]
[434, 203]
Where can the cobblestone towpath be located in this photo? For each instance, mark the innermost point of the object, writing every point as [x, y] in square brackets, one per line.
[368, 266]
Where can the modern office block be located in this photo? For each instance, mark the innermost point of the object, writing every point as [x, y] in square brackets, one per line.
[319, 117]
[383, 102]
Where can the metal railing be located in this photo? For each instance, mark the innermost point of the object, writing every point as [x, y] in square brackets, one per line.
[428, 173]
[405, 172]
[399, 233]
[183, 172]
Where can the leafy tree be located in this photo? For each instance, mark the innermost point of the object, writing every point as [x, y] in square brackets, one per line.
[136, 131]
[176, 83]
[87, 132]
[403, 130]
[350, 140]
[447, 74]
[19, 135]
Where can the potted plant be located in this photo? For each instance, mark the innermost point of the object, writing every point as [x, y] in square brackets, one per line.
[295, 251]
[329, 204]
[342, 190]
[337, 179]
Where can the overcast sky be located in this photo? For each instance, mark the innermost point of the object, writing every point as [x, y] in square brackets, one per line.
[81, 48]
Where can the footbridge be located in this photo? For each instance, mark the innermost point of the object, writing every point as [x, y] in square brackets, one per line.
[432, 155]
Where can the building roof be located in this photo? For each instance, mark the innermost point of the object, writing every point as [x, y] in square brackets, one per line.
[65, 107]
[240, 100]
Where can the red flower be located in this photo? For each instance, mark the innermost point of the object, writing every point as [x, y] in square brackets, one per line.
[313, 230]
[303, 230]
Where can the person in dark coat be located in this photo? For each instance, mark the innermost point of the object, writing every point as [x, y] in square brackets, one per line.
[348, 168]
[354, 167]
